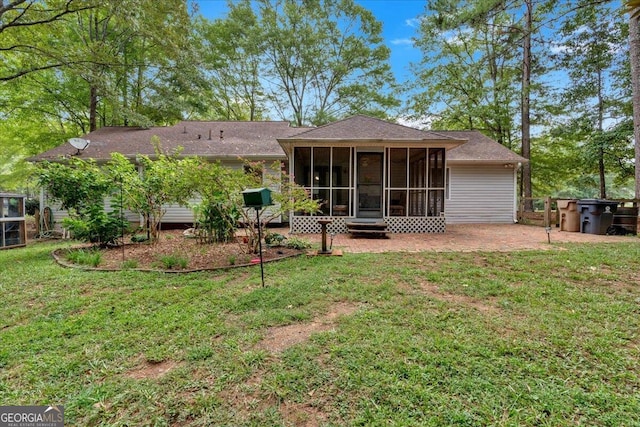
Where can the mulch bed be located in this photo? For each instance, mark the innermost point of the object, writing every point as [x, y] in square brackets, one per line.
[198, 256]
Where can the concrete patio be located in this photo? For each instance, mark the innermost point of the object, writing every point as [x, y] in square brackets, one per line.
[466, 238]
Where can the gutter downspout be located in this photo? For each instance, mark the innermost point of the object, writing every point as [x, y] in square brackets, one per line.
[515, 193]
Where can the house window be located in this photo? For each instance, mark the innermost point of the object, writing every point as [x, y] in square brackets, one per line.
[415, 182]
[325, 172]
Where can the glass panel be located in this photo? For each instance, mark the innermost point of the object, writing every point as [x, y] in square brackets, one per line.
[341, 169]
[13, 233]
[397, 203]
[341, 202]
[370, 197]
[321, 159]
[417, 168]
[447, 179]
[417, 199]
[436, 167]
[436, 202]
[20, 207]
[369, 185]
[323, 196]
[369, 168]
[398, 168]
[302, 172]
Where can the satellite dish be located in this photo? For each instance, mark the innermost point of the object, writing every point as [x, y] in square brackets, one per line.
[79, 143]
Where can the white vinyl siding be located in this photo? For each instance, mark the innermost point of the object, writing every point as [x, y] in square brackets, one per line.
[175, 214]
[481, 194]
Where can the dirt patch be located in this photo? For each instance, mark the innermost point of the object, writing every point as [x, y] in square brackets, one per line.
[301, 414]
[152, 370]
[281, 338]
[248, 396]
[434, 291]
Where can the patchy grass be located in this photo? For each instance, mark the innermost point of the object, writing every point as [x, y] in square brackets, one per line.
[171, 262]
[88, 257]
[471, 339]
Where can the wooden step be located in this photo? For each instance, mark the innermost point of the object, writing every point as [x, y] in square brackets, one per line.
[367, 228]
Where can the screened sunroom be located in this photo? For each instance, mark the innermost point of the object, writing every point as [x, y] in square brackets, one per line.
[404, 186]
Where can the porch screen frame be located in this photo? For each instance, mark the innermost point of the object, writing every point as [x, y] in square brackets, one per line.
[332, 183]
[422, 194]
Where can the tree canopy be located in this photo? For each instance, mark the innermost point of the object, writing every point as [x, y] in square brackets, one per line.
[549, 79]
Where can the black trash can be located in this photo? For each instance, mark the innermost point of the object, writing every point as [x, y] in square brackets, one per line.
[625, 221]
[596, 216]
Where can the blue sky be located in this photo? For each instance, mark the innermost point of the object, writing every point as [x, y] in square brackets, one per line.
[399, 26]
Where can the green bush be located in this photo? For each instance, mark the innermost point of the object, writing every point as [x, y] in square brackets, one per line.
[274, 239]
[297, 243]
[96, 226]
[216, 221]
[139, 238]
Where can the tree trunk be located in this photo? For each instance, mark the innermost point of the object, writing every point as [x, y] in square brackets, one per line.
[601, 168]
[526, 88]
[601, 172]
[634, 52]
[93, 108]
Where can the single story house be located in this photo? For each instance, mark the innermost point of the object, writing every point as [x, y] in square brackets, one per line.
[416, 181]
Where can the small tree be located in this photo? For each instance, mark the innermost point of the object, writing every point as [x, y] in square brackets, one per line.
[81, 187]
[161, 181]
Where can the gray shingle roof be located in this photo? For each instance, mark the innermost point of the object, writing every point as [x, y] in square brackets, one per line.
[480, 148]
[368, 128]
[239, 139]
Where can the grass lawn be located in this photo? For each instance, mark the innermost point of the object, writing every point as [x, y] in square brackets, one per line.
[437, 339]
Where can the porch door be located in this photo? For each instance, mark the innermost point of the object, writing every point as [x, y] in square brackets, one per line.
[369, 185]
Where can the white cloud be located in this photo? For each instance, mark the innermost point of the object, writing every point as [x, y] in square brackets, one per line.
[422, 123]
[402, 42]
[413, 22]
[557, 48]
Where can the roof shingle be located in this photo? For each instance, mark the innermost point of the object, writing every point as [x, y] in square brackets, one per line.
[480, 148]
[221, 139]
[367, 128]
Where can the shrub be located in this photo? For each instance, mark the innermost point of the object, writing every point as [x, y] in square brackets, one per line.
[139, 238]
[274, 239]
[297, 243]
[96, 226]
[216, 221]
